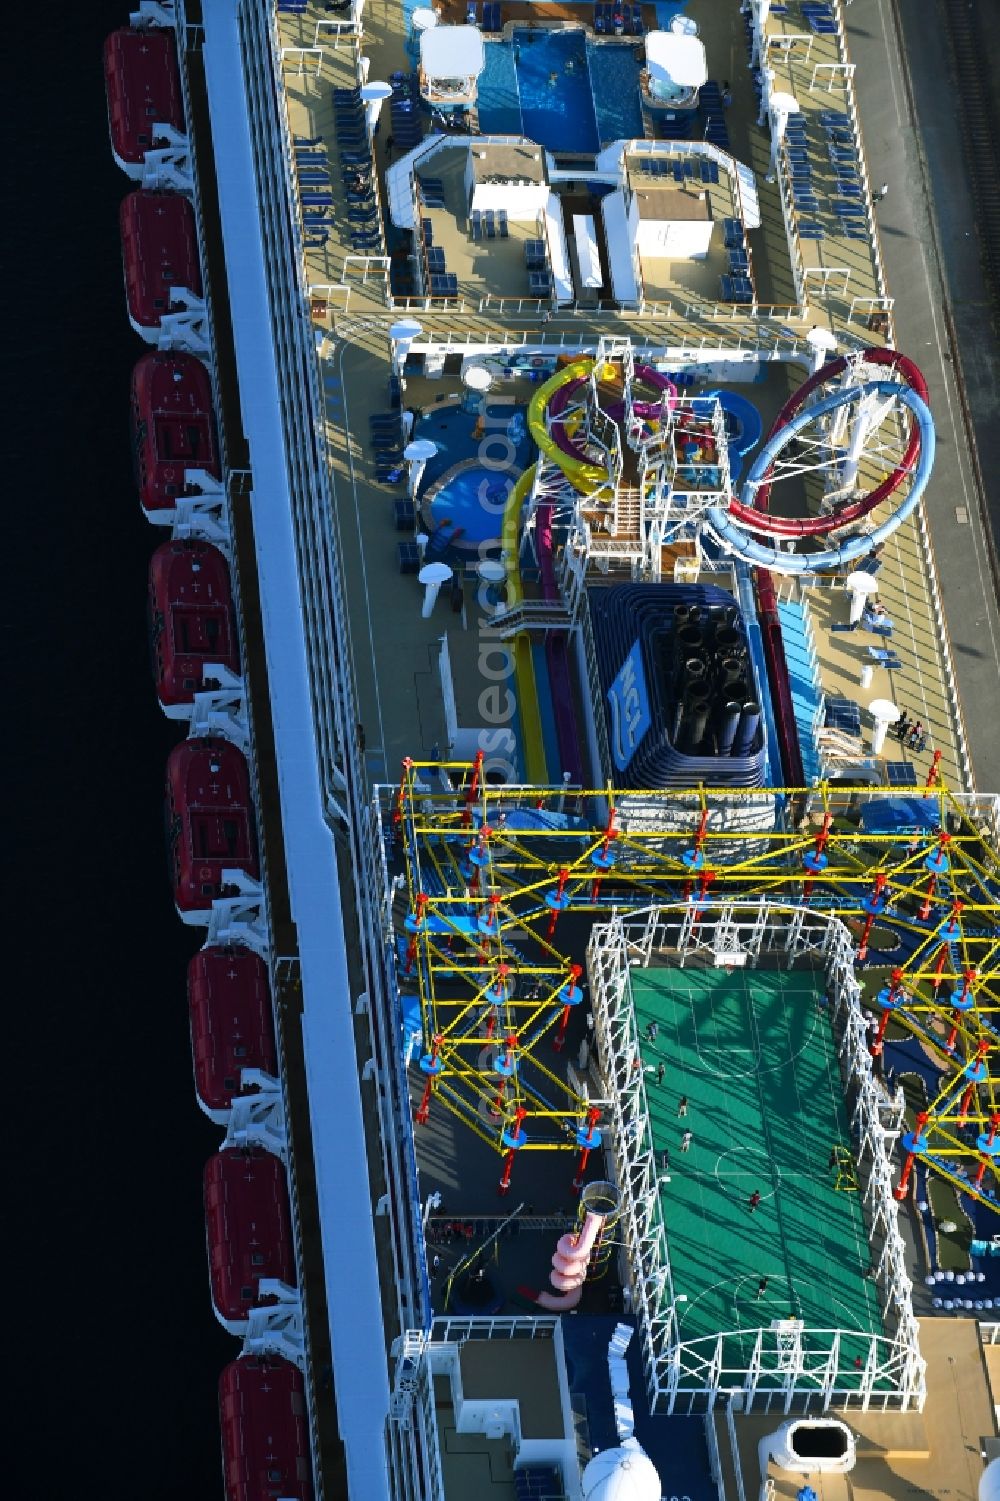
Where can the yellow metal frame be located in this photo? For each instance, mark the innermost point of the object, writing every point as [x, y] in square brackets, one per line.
[454, 964]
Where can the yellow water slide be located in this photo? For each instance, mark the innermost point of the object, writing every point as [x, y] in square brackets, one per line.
[535, 769]
[582, 476]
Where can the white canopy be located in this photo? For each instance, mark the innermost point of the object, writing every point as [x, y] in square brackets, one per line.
[676, 59]
[587, 253]
[452, 52]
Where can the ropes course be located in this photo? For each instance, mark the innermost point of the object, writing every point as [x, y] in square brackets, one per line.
[503, 884]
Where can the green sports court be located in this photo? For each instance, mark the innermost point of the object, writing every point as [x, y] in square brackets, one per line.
[754, 1053]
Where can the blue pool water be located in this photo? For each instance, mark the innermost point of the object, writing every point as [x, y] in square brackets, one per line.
[614, 78]
[472, 502]
[594, 98]
[557, 106]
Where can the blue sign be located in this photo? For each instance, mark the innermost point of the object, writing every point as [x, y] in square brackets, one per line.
[629, 705]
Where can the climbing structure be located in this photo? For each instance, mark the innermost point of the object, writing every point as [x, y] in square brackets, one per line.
[498, 879]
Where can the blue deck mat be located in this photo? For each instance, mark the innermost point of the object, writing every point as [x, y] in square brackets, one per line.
[806, 692]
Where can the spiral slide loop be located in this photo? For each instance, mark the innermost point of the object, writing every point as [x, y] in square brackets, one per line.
[734, 536]
[752, 511]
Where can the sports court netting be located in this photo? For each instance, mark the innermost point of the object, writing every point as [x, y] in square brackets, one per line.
[754, 1053]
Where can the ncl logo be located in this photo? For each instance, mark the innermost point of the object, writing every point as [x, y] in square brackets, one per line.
[629, 705]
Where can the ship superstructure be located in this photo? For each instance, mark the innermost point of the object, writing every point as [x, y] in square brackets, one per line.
[580, 794]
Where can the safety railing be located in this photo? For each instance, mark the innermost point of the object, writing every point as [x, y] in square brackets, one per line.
[714, 1460]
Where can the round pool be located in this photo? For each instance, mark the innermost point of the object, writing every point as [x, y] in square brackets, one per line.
[470, 501]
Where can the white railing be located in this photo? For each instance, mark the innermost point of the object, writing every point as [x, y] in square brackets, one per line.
[714, 1460]
[734, 1447]
[456, 1331]
[699, 1370]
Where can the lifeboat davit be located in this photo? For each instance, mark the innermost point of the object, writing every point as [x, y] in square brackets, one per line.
[229, 1005]
[249, 1231]
[144, 90]
[173, 429]
[191, 621]
[160, 252]
[209, 822]
[265, 1439]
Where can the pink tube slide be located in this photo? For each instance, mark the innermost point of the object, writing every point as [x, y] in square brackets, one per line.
[569, 1266]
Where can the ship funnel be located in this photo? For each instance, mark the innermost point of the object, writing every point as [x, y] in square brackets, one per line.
[730, 671]
[727, 639]
[816, 1446]
[728, 720]
[747, 732]
[693, 724]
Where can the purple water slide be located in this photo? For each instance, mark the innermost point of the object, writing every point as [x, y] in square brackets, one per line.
[557, 659]
[556, 653]
[561, 399]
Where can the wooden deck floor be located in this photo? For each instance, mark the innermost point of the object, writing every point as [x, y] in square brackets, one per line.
[349, 299]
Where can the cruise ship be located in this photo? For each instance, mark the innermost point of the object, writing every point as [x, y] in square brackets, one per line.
[598, 996]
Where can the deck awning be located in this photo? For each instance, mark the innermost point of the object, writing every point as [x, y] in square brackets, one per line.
[452, 52]
[587, 253]
[675, 59]
[619, 242]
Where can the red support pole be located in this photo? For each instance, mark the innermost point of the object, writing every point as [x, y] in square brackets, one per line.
[925, 910]
[519, 1115]
[925, 906]
[508, 1058]
[610, 832]
[411, 951]
[939, 968]
[559, 1041]
[991, 1138]
[904, 1181]
[877, 890]
[473, 787]
[935, 769]
[401, 794]
[508, 1163]
[822, 839]
[482, 843]
[593, 1116]
[560, 888]
[968, 975]
[704, 882]
[963, 1109]
[424, 1108]
[895, 979]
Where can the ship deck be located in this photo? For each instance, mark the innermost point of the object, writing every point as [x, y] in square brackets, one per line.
[349, 299]
[753, 1056]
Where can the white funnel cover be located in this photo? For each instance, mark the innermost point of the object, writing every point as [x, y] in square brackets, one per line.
[810, 1446]
[623, 1474]
[989, 1482]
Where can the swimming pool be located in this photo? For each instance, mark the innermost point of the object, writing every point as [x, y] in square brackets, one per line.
[560, 89]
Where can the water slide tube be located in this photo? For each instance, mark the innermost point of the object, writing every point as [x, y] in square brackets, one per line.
[615, 410]
[584, 477]
[753, 512]
[756, 501]
[733, 535]
[557, 659]
[535, 769]
[569, 1266]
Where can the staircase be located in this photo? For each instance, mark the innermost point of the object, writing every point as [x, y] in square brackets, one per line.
[531, 615]
[628, 512]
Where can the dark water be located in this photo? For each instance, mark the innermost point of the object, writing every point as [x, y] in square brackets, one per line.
[111, 1347]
